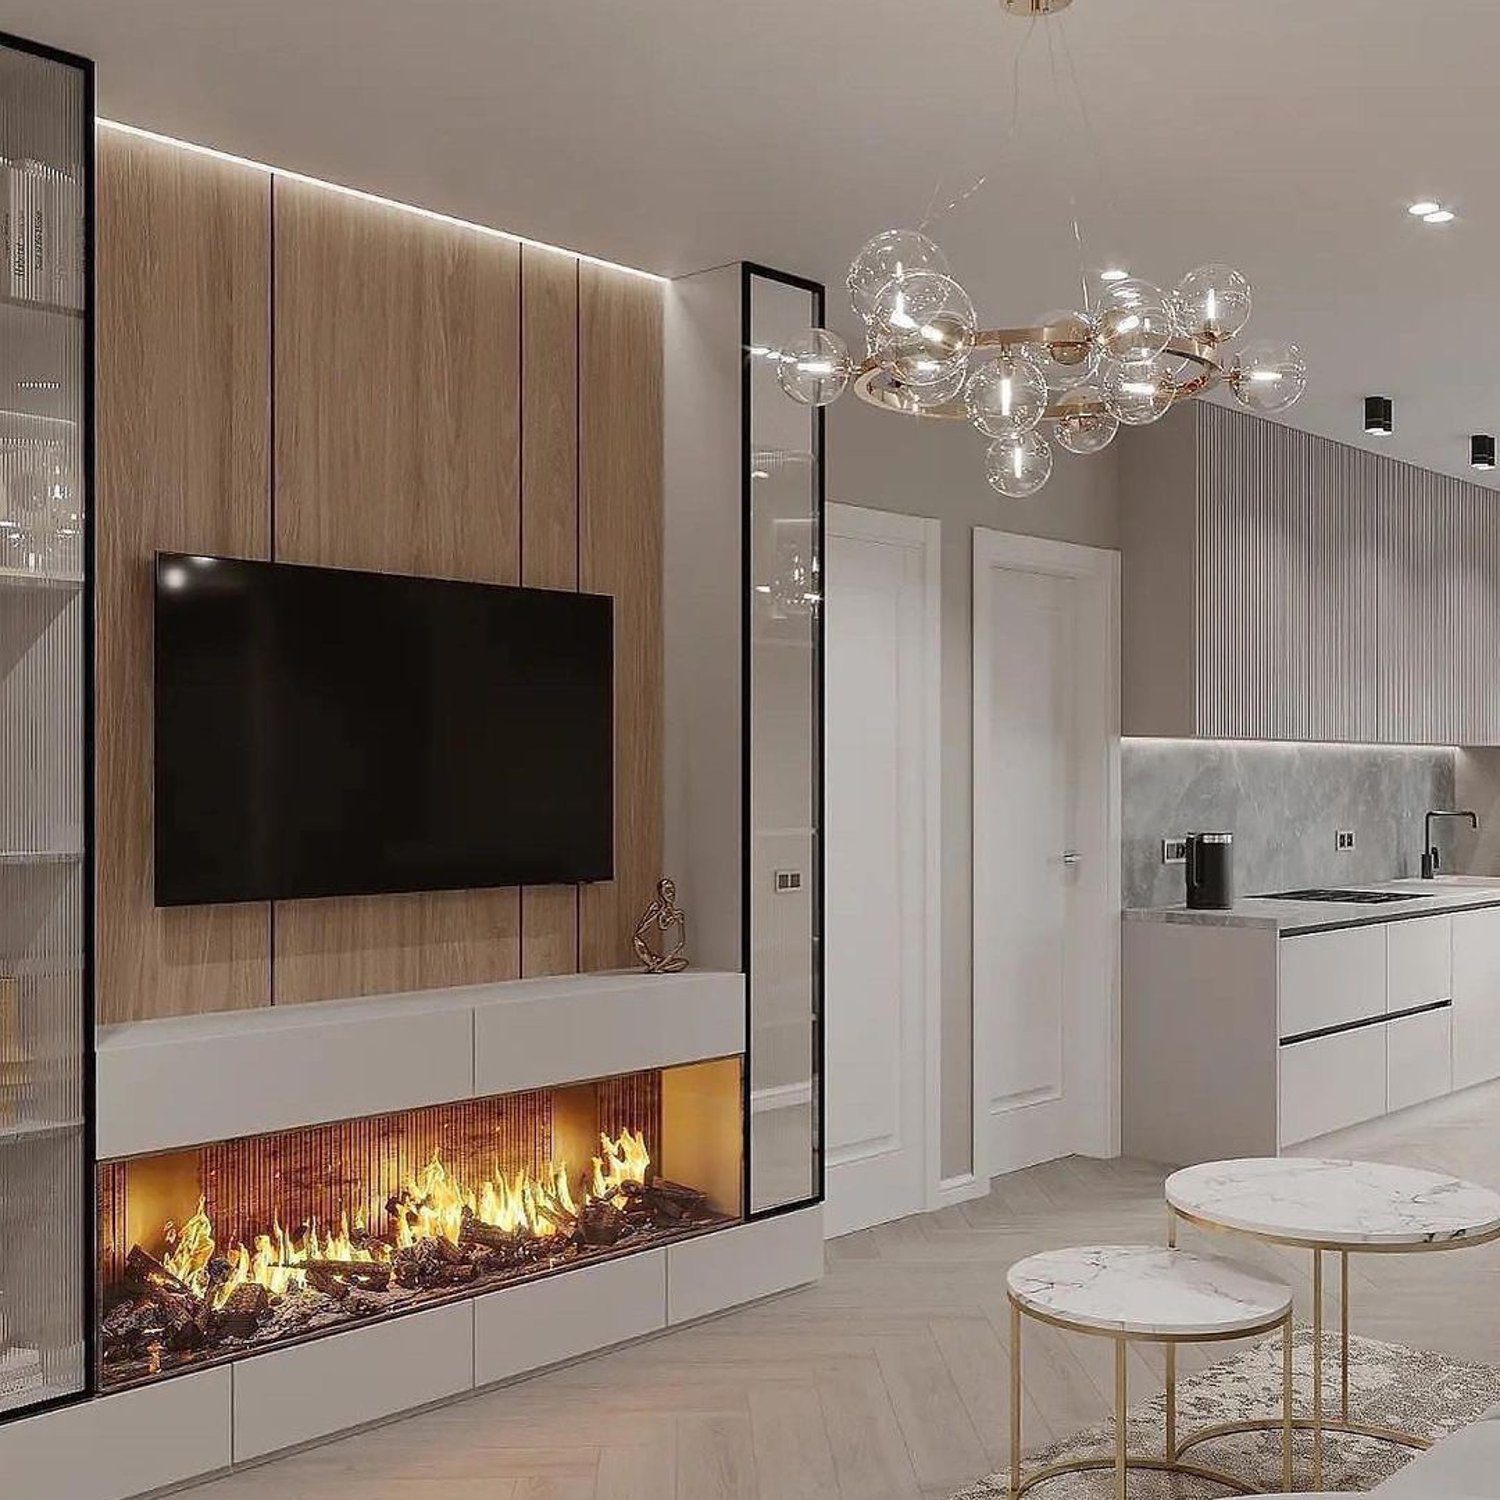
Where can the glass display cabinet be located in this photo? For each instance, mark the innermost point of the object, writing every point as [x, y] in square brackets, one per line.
[46, 869]
[783, 807]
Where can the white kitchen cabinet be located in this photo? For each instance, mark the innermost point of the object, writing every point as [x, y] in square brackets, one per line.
[1332, 1082]
[1419, 1058]
[1331, 978]
[1476, 997]
[1419, 962]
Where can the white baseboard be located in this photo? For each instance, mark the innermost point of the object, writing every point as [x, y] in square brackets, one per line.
[963, 1188]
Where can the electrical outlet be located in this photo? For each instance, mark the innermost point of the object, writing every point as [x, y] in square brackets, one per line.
[1174, 851]
[1343, 841]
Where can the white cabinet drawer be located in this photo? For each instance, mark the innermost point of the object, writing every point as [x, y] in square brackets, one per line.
[1331, 1082]
[1476, 997]
[1419, 1058]
[1419, 962]
[1330, 978]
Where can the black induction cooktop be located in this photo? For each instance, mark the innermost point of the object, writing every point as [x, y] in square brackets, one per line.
[1358, 898]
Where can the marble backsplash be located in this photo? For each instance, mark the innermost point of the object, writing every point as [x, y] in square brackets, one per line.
[1283, 804]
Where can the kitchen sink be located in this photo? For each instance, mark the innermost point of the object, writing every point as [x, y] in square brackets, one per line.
[1358, 898]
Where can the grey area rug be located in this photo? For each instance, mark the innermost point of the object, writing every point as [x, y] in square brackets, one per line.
[1416, 1390]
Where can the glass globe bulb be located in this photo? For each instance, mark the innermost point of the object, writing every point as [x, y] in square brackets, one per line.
[1006, 395]
[1268, 376]
[917, 399]
[1211, 303]
[1134, 321]
[1018, 464]
[922, 327]
[888, 257]
[1139, 392]
[815, 367]
[1086, 425]
[1072, 358]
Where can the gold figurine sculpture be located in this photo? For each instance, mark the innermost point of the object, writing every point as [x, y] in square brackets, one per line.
[663, 916]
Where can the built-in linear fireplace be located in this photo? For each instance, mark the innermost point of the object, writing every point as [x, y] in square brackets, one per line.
[227, 1249]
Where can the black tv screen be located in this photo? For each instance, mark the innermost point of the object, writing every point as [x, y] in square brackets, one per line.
[322, 732]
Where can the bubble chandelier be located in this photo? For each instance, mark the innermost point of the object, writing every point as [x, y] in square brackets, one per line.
[1071, 378]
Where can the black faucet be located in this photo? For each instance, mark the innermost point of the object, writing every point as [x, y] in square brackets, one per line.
[1430, 854]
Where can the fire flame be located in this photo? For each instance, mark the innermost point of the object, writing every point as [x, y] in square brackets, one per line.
[429, 1207]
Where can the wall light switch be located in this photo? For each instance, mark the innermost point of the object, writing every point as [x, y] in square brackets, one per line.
[1343, 840]
[788, 881]
[1174, 851]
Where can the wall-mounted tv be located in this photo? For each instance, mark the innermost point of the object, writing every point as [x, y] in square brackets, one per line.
[324, 732]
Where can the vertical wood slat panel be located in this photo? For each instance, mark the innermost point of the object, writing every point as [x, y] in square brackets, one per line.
[620, 537]
[397, 450]
[549, 525]
[183, 443]
[1340, 595]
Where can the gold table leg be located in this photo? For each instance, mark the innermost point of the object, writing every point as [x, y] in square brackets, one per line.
[1015, 1401]
[1317, 1370]
[1344, 1332]
[1120, 1403]
[1171, 1401]
[1286, 1405]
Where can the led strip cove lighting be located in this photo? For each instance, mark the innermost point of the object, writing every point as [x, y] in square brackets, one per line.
[359, 193]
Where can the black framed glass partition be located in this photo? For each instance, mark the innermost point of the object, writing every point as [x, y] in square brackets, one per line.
[46, 873]
[783, 675]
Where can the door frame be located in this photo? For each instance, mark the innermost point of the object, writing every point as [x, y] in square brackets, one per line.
[1097, 570]
[922, 535]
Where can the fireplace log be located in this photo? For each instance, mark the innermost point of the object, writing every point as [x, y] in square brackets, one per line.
[474, 1231]
[601, 1223]
[327, 1283]
[148, 1276]
[243, 1310]
[373, 1274]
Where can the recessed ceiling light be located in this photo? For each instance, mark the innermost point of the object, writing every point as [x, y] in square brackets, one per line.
[1442, 216]
[1422, 209]
[1118, 273]
[1379, 416]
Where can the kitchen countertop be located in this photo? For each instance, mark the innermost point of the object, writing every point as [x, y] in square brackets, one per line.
[1288, 918]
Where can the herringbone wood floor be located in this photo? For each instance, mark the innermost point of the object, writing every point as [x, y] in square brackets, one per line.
[888, 1379]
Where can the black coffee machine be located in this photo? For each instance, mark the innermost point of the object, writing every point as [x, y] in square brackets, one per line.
[1210, 871]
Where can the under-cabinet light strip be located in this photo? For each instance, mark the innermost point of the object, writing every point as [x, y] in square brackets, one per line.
[1163, 739]
[396, 203]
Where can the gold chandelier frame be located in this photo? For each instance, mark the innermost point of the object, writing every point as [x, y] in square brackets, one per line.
[874, 385]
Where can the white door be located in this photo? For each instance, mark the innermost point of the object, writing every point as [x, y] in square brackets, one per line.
[882, 739]
[1046, 850]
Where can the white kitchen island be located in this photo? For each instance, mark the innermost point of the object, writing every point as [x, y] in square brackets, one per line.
[1246, 1031]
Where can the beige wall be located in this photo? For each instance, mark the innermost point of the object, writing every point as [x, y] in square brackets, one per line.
[936, 469]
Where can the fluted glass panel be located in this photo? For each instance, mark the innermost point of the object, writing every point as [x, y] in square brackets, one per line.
[43, 868]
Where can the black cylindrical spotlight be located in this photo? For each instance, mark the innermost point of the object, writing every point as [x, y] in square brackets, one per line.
[1379, 417]
[1482, 450]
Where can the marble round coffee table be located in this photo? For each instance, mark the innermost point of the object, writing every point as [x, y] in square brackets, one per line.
[1144, 1294]
[1345, 1206]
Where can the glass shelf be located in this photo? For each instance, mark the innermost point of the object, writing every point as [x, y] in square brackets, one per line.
[26, 1130]
[24, 578]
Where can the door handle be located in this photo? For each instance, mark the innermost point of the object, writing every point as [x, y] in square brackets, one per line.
[1071, 856]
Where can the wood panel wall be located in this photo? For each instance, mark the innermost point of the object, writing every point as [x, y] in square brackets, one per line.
[439, 401]
[183, 464]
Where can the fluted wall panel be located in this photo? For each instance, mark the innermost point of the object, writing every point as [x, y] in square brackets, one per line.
[1339, 595]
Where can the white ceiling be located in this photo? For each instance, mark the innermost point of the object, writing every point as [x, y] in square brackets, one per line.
[1285, 136]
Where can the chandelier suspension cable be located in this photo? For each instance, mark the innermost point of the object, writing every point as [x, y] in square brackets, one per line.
[1070, 183]
[1006, 139]
[1096, 143]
